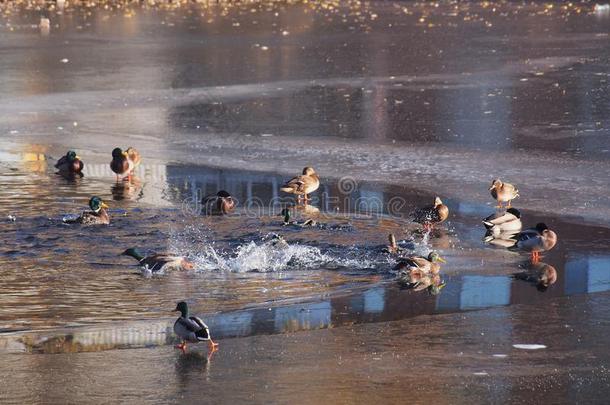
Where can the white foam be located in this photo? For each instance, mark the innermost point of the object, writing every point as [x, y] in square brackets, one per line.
[529, 346]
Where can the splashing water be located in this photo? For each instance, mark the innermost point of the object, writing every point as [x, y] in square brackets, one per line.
[272, 253]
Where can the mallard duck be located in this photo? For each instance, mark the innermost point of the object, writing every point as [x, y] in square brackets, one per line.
[159, 262]
[120, 163]
[535, 240]
[124, 162]
[70, 163]
[220, 203]
[503, 192]
[302, 185]
[191, 329]
[503, 223]
[430, 215]
[419, 264]
[97, 216]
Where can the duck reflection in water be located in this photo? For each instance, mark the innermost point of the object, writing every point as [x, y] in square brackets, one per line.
[71, 178]
[192, 364]
[540, 274]
[127, 189]
[420, 273]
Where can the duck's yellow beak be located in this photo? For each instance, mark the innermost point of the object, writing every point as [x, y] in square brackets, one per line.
[440, 259]
[125, 154]
[77, 157]
[104, 205]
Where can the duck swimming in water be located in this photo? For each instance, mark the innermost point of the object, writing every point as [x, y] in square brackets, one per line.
[302, 185]
[427, 265]
[70, 163]
[97, 216]
[191, 329]
[221, 203]
[430, 215]
[535, 240]
[503, 192]
[159, 262]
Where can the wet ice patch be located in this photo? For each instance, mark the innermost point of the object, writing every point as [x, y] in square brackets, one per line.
[529, 346]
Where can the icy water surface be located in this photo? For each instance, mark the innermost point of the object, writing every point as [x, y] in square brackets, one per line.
[393, 104]
[58, 275]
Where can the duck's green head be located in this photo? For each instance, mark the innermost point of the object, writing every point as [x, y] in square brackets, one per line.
[117, 153]
[133, 252]
[436, 289]
[72, 156]
[96, 204]
[183, 308]
[435, 257]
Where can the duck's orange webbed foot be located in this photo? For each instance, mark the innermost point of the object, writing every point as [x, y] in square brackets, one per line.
[535, 257]
[182, 346]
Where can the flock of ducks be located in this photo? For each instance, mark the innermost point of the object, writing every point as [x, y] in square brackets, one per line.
[503, 228]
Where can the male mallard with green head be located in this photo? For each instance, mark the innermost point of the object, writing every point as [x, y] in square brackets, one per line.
[124, 162]
[302, 185]
[70, 163]
[97, 216]
[191, 329]
[156, 263]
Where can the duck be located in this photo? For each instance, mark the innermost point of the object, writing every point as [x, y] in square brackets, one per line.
[503, 223]
[70, 163]
[302, 185]
[134, 156]
[419, 264]
[157, 263]
[221, 203]
[120, 163]
[503, 192]
[191, 329]
[433, 214]
[97, 216]
[535, 240]
[124, 161]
